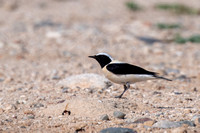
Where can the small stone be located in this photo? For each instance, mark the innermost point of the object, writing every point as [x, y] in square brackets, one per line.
[104, 117]
[166, 124]
[142, 120]
[195, 117]
[9, 120]
[38, 105]
[189, 123]
[178, 93]
[65, 90]
[117, 130]
[170, 124]
[183, 78]
[31, 116]
[56, 77]
[27, 112]
[48, 23]
[118, 114]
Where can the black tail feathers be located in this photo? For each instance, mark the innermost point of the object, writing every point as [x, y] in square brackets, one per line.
[162, 78]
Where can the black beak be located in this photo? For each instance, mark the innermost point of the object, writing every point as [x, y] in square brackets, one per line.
[92, 56]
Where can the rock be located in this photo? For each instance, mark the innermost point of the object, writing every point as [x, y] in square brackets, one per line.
[189, 123]
[53, 35]
[56, 77]
[88, 80]
[9, 120]
[38, 105]
[170, 124]
[46, 23]
[118, 114]
[166, 124]
[28, 112]
[117, 130]
[142, 120]
[65, 90]
[104, 117]
[196, 120]
[195, 117]
[148, 40]
[29, 117]
[178, 93]
[183, 78]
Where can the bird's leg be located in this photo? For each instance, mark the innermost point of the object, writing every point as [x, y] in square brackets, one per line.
[126, 87]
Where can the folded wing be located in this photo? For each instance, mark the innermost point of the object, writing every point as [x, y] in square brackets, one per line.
[125, 68]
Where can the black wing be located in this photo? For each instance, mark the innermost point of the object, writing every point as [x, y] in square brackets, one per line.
[125, 68]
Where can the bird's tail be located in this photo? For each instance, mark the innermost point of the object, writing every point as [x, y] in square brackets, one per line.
[162, 78]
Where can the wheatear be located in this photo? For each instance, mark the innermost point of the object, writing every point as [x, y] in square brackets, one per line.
[123, 73]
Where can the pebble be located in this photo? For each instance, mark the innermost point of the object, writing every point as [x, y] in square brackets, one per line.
[142, 120]
[118, 130]
[186, 122]
[104, 117]
[28, 112]
[29, 117]
[183, 78]
[118, 114]
[56, 77]
[9, 120]
[46, 23]
[178, 93]
[38, 105]
[166, 124]
[171, 124]
[148, 40]
[196, 119]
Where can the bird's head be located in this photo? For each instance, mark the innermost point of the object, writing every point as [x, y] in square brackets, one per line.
[102, 58]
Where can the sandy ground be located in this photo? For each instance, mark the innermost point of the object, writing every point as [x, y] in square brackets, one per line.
[43, 43]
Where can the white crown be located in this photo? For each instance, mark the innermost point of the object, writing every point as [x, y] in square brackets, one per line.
[105, 55]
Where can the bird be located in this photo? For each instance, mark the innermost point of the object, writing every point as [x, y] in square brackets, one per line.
[123, 73]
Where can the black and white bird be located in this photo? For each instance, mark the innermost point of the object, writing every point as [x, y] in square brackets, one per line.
[123, 73]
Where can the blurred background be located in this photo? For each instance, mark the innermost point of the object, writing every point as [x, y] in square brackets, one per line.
[69, 30]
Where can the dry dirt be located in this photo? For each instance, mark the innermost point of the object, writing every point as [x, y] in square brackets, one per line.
[43, 43]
